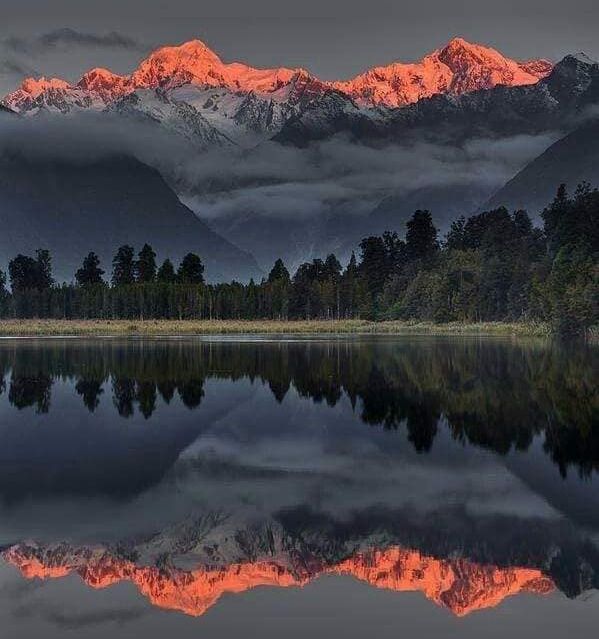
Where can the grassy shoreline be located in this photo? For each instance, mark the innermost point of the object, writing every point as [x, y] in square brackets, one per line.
[74, 328]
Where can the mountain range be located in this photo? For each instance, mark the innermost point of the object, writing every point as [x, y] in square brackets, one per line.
[556, 102]
[460, 95]
[237, 101]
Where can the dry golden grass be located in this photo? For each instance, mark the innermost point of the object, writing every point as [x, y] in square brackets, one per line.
[22, 328]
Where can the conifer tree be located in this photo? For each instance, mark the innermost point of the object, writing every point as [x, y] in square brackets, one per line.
[421, 236]
[90, 273]
[23, 273]
[191, 270]
[166, 273]
[44, 269]
[279, 272]
[123, 266]
[28, 273]
[145, 267]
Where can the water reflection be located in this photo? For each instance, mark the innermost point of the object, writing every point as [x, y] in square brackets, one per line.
[461, 469]
[491, 394]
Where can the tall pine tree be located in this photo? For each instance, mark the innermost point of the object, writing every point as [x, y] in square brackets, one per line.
[123, 266]
[90, 273]
[191, 270]
[166, 273]
[145, 267]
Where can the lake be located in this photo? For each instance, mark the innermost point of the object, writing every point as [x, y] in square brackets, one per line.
[208, 487]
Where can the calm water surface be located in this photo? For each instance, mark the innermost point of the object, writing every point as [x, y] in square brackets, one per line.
[415, 487]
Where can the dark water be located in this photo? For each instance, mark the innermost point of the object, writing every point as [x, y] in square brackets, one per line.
[418, 487]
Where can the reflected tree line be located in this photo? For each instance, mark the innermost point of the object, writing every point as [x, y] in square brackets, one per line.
[497, 396]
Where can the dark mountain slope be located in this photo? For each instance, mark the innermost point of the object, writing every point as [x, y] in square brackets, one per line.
[445, 202]
[72, 208]
[571, 160]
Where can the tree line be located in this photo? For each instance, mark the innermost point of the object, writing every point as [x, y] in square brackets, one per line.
[492, 266]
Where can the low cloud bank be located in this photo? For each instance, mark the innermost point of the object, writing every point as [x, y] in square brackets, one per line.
[278, 181]
[273, 180]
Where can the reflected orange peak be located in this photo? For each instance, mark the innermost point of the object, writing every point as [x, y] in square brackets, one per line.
[459, 585]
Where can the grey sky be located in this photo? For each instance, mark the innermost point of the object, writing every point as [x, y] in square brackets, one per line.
[333, 39]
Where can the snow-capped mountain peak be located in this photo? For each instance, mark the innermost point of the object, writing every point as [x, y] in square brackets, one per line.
[194, 63]
[191, 62]
[459, 67]
[105, 83]
[34, 87]
[476, 67]
[49, 94]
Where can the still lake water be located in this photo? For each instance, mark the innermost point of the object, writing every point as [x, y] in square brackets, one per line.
[414, 487]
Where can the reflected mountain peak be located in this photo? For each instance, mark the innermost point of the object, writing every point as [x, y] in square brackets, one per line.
[459, 585]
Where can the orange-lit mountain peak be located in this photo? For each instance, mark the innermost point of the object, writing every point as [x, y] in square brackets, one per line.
[460, 49]
[36, 86]
[104, 82]
[98, 87]
[53, 93]
[195, 63]
[188, 54]
[461, 46]
[458, 67]
[241, 77]
[475, 66]
[458, 42]
[99, 74]
[190, 62]
[460, 585]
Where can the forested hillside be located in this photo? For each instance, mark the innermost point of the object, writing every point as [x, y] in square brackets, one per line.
[493, 266]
